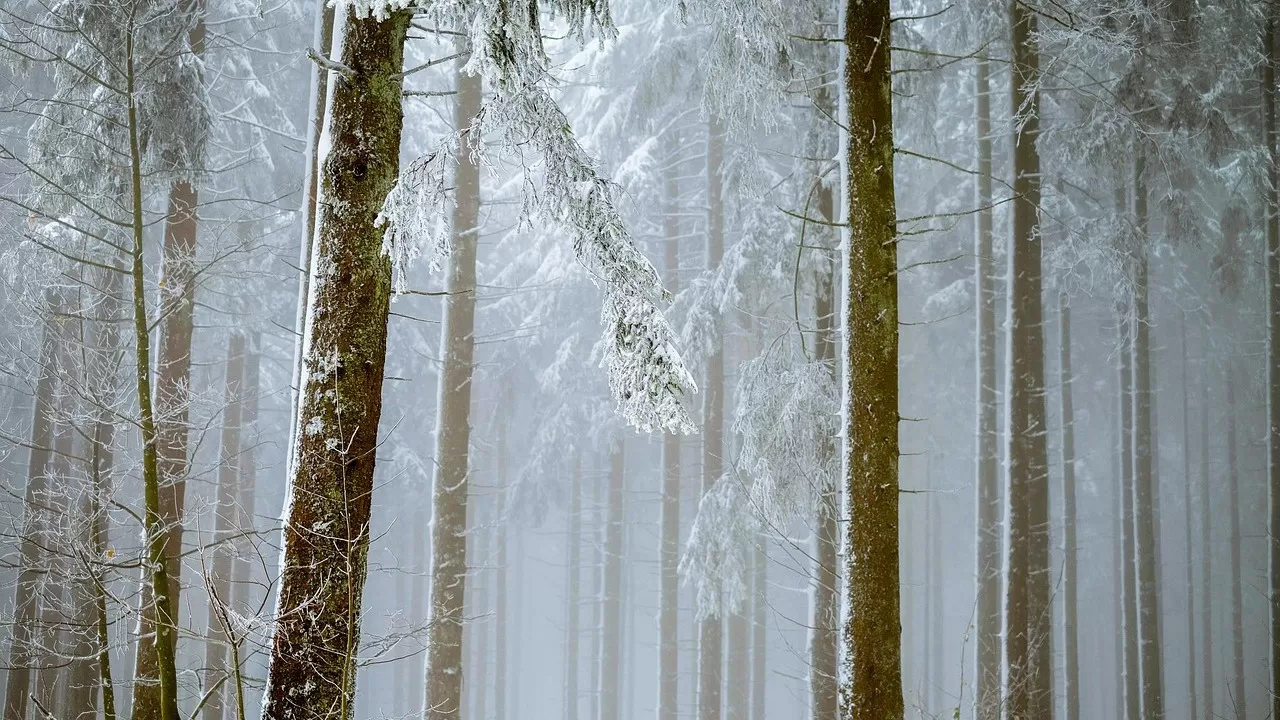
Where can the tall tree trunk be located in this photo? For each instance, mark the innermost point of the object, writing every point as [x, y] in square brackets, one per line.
[500, 583]
[218, 580]
[1117, 568]
[453, 429]
[55, 618]
[1206, 547]
[710, 650]
[1144, 468]
[1236, 699]
[596, 543]
[172, 401]
[669, 560]
[1027, 626]
[34, 520]
[824, 623]
[1193, 706]
[873, 632]
[1132, 695]
[611, 592]
[1071, 589]
[986, 457]
[243, 588]
[326, 533]
[478, 608]
[573, 600]
[1273, 343]
[937, 633]
[759, 647]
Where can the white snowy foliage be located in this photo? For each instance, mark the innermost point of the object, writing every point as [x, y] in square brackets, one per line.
[788, 418]
[716, 556]
[647, 376]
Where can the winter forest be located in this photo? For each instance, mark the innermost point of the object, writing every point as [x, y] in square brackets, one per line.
[624, 359]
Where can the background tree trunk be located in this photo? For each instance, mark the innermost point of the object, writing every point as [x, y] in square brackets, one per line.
[1206, 549]
[326, 534]
[1071, 661]
[500, 580]
[669, 581]
[1132, 692]
[453, 429]
[1237, 706]
[1194, 705]
[574, 595]
[759, 653]
[873, 632]
[611, 593]
[1273, 342]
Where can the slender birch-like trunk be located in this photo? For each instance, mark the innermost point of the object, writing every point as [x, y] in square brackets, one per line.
[326, 533]
[873, 630]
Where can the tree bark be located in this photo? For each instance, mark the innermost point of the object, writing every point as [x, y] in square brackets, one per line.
[1236, 699]
[453, 430]
[326, 534]
[873, 631]
[573, 600]
[26, 590]
[1273, 343]
[669, 581]
[1071, 590]
[986, 456]
[172, 402]
[218, 580]
[1132, 691]
[611, 596]
[1146, 515]
[1028, 631]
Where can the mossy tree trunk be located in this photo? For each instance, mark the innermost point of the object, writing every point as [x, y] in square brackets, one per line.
[326, 533]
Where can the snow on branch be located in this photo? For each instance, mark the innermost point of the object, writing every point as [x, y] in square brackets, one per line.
[715, 559]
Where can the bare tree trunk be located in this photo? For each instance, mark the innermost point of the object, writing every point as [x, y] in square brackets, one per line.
[1117, 568]
[453, 431]
[710, 633]
[326, 534]
[937, 582]
[1071, 590]
[1193, 706]
[573, 601]
[1236, 699]
[55, 618]
[1027, 624]
[26, 592]
[669, 559]
[1206, 548]
[172, 400]
[611, 595]
[500, 583]
[218, 580]
[1132, 691]
[1273, 343]
[986, 460]
[1144, 484]
[597, 598]
[759, 645]
[478, 681]
[873, 632]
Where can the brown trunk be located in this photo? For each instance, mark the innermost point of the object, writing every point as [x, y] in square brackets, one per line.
[669, 560]
[1028, 627]
[26, 592]
[986, 461]
[326, 533]
[1236, 698]
[1145, 500]
[1071, 590]
[574, 595]
[611, 596]
[873, 632]
[710, 650]
[218, 577]
[453, 431]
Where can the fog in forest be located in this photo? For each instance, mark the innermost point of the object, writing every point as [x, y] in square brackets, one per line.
[590, 360]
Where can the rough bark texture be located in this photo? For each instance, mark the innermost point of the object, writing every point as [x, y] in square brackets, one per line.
[710, 650]
[172, 401]
[218, 572]
[1070, 589]
[1193, 707]
[611, 593]
[574, 595]
[326, 534]
[1132, 697]
[1027, 623]
[986, 457]
[1146, 514]
[1273, 344]
[669, 582]
[1236, 698]
[26, 595]
[453, 432]
[873, 631]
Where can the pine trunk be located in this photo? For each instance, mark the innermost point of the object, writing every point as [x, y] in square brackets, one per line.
[1193, 706]
[873, 631]
[172, 401]
[55, 618]
[326, 533]
[1237, 696]
[1206, 551]
[218, 578]
[1028, 630]
[573, 599]
[500, 583]
[710, 650]
[477, 682]
[987, 646]
[1071, 589]
[1273, 344]
[1132, 697]
[243, 588]
[1144, 469]
[611, 592]
[669, 582]
[453, 431]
